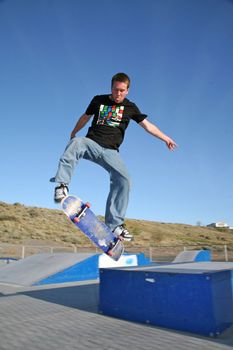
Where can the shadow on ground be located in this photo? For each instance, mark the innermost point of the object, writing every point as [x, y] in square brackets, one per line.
[82, 297]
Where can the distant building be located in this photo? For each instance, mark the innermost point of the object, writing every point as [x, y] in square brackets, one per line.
[218, 225]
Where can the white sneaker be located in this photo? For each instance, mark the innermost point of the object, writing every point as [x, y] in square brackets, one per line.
[122, 233]
[60, 192]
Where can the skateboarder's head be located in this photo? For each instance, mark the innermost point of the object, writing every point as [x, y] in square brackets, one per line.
[122, 78]
[120, 87]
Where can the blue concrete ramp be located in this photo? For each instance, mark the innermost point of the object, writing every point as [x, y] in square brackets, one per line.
[43, 269]
[88, 268]
[38, 267]
[193, 255]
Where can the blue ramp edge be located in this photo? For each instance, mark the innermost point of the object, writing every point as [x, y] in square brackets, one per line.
[87, 269]
[203, 255]
[143, 260]
[193, 255]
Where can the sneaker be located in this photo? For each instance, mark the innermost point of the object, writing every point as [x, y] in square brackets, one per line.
[60, 192]
[122, 233]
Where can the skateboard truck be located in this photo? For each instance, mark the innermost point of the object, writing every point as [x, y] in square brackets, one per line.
[82, 213]
[114, 247]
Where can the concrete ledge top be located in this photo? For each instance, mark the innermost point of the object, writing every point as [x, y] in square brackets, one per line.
[193, 268]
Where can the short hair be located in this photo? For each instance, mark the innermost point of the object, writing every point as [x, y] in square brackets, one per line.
[122, 77]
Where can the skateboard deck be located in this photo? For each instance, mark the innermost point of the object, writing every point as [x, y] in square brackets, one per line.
[82, 217]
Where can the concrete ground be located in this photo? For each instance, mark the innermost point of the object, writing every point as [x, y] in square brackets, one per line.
[65, 316]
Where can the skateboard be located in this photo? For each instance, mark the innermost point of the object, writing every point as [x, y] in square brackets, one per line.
[83, 218]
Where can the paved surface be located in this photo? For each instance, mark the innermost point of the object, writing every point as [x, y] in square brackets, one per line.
[65, 317]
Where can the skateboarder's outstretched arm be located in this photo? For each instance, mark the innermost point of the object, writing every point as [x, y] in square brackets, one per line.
[154, 130]
[83, 120]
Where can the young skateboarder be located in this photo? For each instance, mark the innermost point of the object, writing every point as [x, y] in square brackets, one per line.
[111, 116]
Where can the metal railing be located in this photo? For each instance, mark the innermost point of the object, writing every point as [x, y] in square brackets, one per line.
[160, 253]
[168, 253]
[22, 251]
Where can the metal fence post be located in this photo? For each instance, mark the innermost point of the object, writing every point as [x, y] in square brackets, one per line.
[151, 253]
[23, 252]
[226, 252]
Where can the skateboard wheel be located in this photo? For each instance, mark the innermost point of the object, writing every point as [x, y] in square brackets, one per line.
[88, 205]
[76, 220]
[110, 253]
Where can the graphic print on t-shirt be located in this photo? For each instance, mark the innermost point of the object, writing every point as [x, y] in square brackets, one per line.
[110, 115]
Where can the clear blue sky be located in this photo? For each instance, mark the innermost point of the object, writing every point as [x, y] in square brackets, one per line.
[55, 55]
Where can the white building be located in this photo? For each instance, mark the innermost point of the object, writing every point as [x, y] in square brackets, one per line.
[218, 225]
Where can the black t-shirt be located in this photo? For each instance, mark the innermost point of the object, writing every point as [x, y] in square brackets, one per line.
[111, 120]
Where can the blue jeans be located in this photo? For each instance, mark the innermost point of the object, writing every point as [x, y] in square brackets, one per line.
[110, 160]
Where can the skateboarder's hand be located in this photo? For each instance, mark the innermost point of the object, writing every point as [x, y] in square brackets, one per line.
[170, 144]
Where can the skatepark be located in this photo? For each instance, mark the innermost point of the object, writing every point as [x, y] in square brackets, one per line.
[42, 308]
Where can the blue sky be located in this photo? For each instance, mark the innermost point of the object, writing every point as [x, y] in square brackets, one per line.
[57, 54]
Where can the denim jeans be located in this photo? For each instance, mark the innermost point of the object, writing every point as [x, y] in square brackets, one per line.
[110, 160]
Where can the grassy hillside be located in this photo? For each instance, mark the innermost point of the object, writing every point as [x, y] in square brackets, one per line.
[20, 224]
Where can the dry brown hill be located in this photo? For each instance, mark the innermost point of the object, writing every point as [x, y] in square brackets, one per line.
[20, 224]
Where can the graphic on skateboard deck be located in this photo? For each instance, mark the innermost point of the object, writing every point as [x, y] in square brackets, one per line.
[82, 217]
